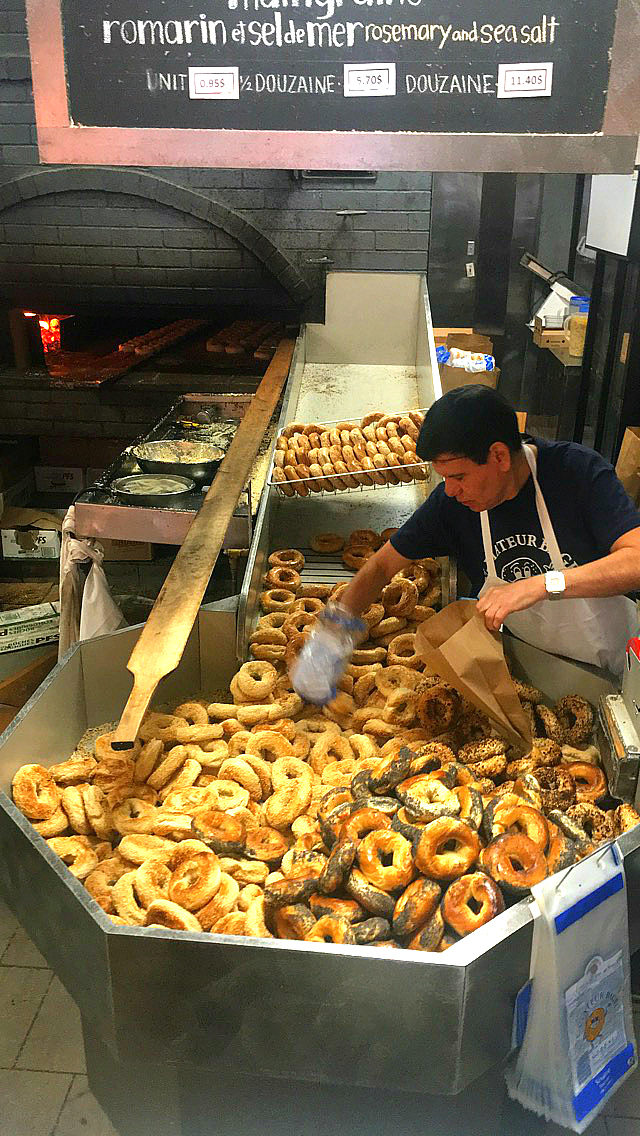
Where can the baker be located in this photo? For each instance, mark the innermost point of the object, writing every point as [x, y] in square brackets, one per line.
[544, 531]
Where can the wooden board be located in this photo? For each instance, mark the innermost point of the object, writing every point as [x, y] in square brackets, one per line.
[7, 714]
[162, 640]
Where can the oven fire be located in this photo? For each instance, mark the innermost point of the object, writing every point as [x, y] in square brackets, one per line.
[50, 333]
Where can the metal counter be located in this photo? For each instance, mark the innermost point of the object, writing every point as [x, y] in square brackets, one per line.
[101, 512]
[427, 1024]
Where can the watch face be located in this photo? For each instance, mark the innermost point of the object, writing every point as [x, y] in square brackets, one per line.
[554, 583]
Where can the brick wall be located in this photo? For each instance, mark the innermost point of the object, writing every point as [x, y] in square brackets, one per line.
[78, 244]
[29, 406]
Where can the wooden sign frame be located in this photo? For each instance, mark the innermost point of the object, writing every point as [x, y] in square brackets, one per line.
[60, 141]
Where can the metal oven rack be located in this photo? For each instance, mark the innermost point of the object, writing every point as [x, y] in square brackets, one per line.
[327, 569]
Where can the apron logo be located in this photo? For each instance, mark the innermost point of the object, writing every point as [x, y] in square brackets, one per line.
[521, 569]
[525, 566]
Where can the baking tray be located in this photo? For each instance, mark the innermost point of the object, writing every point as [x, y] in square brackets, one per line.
[122, 488]
[311, 483]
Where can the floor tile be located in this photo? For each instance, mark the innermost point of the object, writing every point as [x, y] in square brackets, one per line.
[55, 1040]
[531, 1125]
[8, 926]
[82, 1115]
[31, 1102]
[21, 951]
[622, 1126]
[21, 992]
[626, 1102]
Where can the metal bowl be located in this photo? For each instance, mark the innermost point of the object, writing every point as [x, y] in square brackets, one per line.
[139, 488]
[195, 460]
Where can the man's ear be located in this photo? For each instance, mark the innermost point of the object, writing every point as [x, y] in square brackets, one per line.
[500, 453]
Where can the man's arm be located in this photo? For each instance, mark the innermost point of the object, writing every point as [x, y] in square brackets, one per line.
[612, 575]
[367, 584]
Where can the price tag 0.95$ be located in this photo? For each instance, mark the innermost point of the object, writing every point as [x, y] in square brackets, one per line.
[214, 83]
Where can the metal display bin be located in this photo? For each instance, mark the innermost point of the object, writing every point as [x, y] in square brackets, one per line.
[174, 1022]
[375, 351]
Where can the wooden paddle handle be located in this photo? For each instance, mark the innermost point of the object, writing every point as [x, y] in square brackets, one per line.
[137, 704]
[161, 643]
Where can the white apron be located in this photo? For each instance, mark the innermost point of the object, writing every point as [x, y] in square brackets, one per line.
[589, 630]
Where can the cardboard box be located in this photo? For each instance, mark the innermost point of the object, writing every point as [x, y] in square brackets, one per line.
[80, 451]
[470, 342]
[56, 479]
[441, 334]
[15, 594]
[29, 626]
[126, 549]
[452, 377]
[30, 534]
[17, 456]
[628, 463]
[20, 492]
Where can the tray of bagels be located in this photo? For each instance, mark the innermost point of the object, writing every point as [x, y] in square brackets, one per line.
[330, 457]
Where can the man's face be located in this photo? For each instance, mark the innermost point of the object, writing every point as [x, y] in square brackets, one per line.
[479, 487]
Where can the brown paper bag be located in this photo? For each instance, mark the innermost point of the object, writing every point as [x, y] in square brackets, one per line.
[456, 645]
[628, 463]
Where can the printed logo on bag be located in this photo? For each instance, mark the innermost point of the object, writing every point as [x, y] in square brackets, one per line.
[594, 1024]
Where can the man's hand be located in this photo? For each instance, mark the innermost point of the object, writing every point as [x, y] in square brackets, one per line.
[317, 669]
[499, 602]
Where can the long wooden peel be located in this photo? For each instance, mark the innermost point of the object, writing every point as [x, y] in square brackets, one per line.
[163, 638]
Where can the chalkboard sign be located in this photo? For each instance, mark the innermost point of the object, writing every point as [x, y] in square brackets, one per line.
[477, 66]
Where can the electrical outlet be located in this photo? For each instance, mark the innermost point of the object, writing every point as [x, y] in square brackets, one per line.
[470, 268]
[471, 248]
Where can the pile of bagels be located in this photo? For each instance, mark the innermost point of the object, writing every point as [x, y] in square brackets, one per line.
[378, 450]
[290, 606]
[393, 817]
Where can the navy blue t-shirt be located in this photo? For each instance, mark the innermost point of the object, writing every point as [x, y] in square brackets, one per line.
[588, 506]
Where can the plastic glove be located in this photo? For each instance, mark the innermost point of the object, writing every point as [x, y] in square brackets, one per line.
[322, 660]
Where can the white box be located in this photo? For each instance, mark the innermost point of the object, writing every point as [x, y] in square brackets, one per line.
[30, 544]
[54, 479]
[29, 626]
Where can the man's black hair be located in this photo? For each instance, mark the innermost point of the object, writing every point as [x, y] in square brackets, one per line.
[466, 422]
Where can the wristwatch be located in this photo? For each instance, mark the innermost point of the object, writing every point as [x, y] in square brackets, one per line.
[555, 584]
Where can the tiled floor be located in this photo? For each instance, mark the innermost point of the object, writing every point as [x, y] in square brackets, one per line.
[43, 1086]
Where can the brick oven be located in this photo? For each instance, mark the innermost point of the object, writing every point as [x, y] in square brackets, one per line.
[140, 248]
